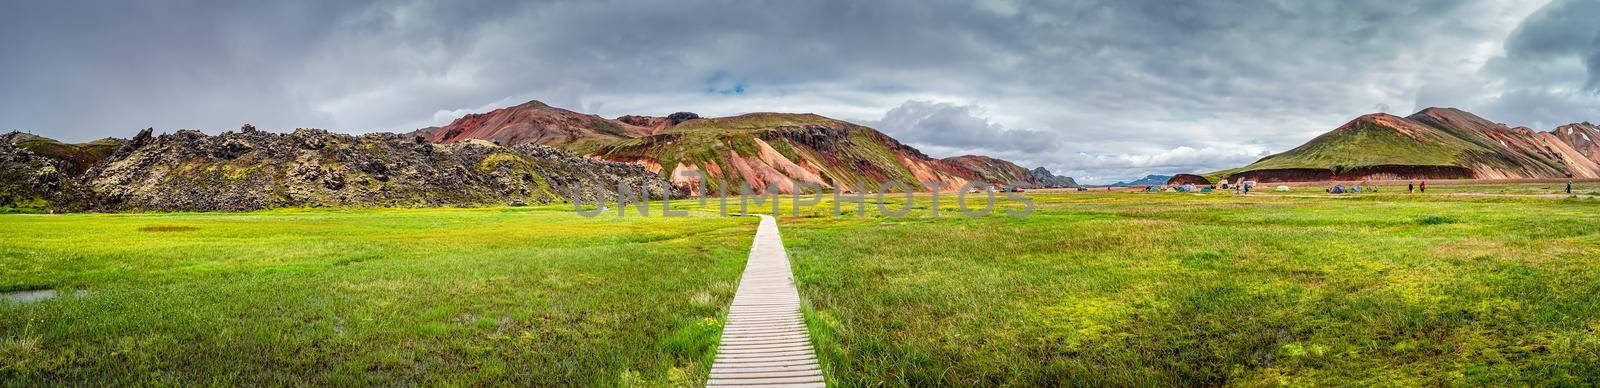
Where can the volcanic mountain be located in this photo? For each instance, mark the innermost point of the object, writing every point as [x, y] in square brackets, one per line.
[1435, 143]
[1051, 180]
[779, 151]
[998, 170]
[534, 122]
[1146, 181]
[529, 153]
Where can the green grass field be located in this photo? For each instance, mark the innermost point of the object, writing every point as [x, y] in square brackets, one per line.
[1094, 289]
[1159, 289]
[328, 297]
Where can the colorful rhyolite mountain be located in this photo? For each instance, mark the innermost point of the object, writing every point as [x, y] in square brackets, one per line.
[1435, 143]
[764, 152]
[535, 123]
[530, 153]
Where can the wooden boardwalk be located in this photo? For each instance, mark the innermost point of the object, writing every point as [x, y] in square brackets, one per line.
[765, 342]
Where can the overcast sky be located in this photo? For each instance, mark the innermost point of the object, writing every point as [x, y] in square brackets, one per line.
[1098, 90]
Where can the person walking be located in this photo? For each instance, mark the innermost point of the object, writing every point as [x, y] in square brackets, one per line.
[1422, 188]
[1411, 187]
[1569, 186]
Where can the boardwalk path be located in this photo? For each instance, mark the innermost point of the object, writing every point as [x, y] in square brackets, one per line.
[765, 342]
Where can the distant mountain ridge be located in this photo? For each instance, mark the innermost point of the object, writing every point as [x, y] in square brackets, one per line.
[1001, 171]
[1148, 180]
[782, 151]
[1434, 143]
[529, 153]
[534, 122]
[1051, 180]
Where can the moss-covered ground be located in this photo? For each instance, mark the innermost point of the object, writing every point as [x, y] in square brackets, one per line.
[1091, 289]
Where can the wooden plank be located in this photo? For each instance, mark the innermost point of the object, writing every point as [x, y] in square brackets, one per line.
[771, 368]
[765, 381]
[752, 359]
[765, 342]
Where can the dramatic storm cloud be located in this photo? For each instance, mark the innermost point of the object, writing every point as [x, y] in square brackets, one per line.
[1097, 90]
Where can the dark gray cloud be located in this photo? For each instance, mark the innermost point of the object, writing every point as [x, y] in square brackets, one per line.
[1563, 30]
[1548, 75]
[961, 129]
[92, 69]
[1115, 89]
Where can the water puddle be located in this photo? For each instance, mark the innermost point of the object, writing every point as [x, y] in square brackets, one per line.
[35, 296]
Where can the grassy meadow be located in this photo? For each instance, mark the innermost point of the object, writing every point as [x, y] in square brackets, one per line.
[1167, 288]
[1092, 288]
[527, 296]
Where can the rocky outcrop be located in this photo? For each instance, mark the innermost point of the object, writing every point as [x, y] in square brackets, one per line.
[74, 158]
[1051, 180]
[249, 169]
[652, 123]
[658, 124]
[36, 181]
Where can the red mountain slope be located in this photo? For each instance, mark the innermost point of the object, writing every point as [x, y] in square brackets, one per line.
[759, 150]
[536, 123]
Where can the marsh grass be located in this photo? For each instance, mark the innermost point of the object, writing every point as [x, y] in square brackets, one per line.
[1090, 289]
[529, 296]
[1182, 289]
[1435, 220]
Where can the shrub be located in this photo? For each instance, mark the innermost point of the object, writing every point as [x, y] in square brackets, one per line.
[1435, 220]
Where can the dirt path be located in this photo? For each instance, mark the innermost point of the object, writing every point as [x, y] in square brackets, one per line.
[1558, 195]
[765, 342]
[1441, 195]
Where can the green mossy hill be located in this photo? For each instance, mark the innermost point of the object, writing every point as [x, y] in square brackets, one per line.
[1366, 142]
[1433, 143]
